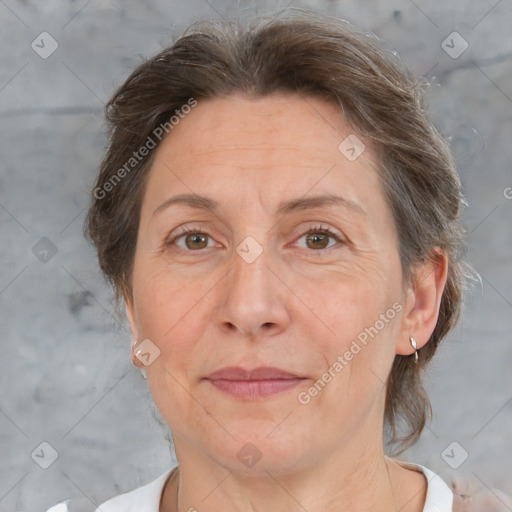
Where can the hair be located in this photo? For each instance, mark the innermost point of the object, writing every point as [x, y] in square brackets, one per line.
[307, 53]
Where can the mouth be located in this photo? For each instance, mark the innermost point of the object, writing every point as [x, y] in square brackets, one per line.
[255, 384]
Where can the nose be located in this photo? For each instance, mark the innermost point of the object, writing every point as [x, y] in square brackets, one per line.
[253, 299]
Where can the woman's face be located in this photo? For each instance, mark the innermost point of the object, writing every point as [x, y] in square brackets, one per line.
[258, 283]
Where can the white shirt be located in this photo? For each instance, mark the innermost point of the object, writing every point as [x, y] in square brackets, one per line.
[147, 498]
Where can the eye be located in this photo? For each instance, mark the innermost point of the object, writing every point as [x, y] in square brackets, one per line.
[196, 239]
[193, 239]
[318, 238]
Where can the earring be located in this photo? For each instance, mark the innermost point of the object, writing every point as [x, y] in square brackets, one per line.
[142, 371]
[415, 347]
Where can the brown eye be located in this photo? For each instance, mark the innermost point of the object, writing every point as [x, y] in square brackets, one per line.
[190, 240]
[318, 240]
[196, 241]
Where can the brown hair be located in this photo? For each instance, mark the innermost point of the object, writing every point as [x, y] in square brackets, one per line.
[307, 53]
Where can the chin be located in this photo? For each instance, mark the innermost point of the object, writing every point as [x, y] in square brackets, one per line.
[260, 446]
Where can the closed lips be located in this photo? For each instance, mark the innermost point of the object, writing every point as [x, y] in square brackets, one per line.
[261, 373]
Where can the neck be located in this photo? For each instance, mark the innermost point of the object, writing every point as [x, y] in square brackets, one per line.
[340, 481]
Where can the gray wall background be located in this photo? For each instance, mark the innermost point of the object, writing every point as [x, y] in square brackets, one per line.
[65, 373]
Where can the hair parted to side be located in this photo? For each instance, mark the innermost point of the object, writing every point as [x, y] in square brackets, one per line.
[307, 53]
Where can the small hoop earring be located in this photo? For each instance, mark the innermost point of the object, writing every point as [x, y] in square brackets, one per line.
[415, 347]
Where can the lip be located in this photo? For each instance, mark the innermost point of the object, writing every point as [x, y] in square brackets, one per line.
[253, 384]
[261, 373]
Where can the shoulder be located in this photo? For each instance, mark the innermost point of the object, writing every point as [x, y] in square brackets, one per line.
[440, 497]
[143, 499]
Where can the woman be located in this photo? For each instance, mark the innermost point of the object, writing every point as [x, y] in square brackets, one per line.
[281, 219]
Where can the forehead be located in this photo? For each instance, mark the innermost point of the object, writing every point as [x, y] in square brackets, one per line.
[278, 121]
[271, 147]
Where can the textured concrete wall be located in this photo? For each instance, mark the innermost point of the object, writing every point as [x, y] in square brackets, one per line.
[65, 371]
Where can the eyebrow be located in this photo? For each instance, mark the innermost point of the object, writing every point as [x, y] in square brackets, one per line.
[285, 207]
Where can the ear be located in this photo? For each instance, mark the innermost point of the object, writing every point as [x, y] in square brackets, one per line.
[130, 315]
[422, 302]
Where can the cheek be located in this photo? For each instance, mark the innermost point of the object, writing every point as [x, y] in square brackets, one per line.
[346, 299]
[354, 319]
[160, 292]
[172, 311]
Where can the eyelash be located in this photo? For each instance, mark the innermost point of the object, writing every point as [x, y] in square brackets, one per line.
[205, 231]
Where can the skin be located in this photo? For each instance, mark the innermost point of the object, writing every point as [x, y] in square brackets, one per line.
[298, 306]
